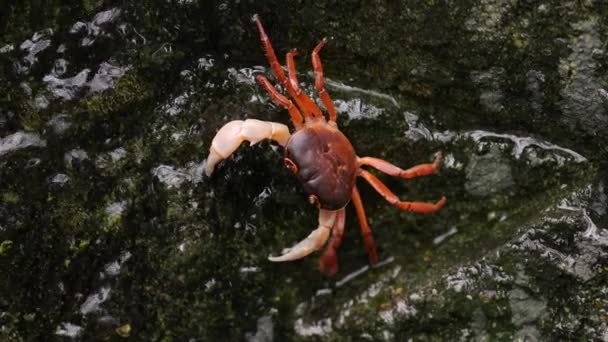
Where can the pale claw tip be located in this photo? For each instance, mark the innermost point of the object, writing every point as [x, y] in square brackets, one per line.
[208, 169]
[316, 239]
[207, 172]
[280, 258]
[274, 259]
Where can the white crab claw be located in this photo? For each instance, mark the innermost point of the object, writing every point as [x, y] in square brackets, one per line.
[232, 134]
[314, 241]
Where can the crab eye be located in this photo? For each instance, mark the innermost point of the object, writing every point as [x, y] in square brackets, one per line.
[291, 166]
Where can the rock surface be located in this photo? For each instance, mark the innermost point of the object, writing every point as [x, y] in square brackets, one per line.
[108, 228]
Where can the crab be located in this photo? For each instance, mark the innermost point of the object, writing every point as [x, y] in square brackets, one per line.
[320, 157]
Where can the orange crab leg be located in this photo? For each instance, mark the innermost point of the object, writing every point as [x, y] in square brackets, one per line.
[270, 55]
[309, 108]
[281, 100]
[320, 82]
[366, 231]
[329, 261]
[301, 99]
[395, 171]
[419, 207]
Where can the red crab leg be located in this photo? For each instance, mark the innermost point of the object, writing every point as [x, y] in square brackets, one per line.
[272, 58]
[329, 261]
[395, 171]
[419, 207]
[308, 107]
[320, 82]
[276, 68]
[366, 231]
[281, 100]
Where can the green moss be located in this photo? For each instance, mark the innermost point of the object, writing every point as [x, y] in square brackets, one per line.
[519, 41]
[10, 197]
[184, 278]
[71, 217]
[83, 244]
[128, 90]
[5, 247]
[124, 330]
[30, 120]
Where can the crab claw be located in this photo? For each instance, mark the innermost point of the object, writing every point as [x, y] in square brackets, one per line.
[314, 241]
[232, 134]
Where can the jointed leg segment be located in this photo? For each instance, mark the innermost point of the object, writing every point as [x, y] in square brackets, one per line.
[281, 100]
[320, 82]
[309, 108]
[419, 207]
[329, 261]
[291, 85]
[395, 171]
[366, 231]
[277, 70]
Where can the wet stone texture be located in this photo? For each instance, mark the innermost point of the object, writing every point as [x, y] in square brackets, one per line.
[110, 230]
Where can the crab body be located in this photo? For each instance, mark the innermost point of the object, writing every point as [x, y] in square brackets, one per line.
[320, 156]
[325, 163]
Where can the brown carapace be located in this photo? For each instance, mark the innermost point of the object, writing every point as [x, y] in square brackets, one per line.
[321, 158]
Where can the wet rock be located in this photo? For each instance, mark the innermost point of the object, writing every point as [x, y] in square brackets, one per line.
[94, 28]
[355, 109]
[59, 180]
[69, 330]
[488, 174]
[38, 43]
[582, 103]
[6, 117]
[264, 331]
[60, 123]
[128, 239]
[74, 157]
[524, 308]
[20, 140]
[67, 88]
[416, 131]
[105, 77]
[490, 83]
[173, 178]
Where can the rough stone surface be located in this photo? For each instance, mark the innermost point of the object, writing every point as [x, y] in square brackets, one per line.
[108, 229]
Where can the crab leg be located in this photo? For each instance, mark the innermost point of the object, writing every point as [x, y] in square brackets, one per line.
[270, 55]
[419, 207]
[395, 171]
[329, 260]
[314, 241]
[366, 231]
[232, 134]
[309, 108]
[282, 101]
[320, 82]
[302, 100]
